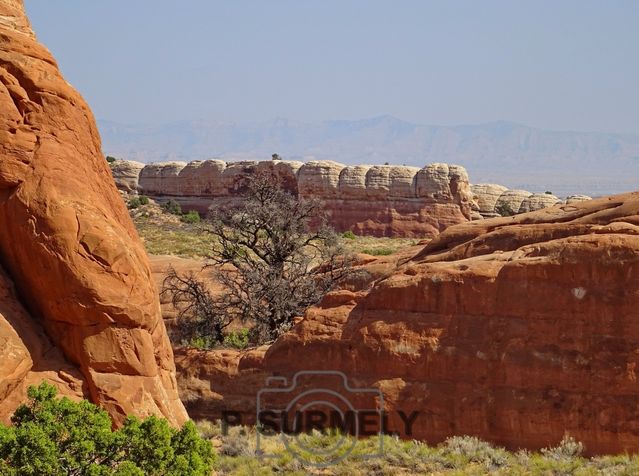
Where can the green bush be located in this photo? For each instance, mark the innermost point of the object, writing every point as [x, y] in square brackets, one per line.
[237, 339]
[172, 207]
[56, 437]
[349, 235]
[110, 159]
[134, 203]
[191, 217]
[378, 251]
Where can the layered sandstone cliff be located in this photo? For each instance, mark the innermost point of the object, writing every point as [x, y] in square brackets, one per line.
[70, 248]
[377, 200]
[516, 330]
[380, 200]
[492, 200]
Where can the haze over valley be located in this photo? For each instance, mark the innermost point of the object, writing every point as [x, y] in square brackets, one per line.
[518, 156]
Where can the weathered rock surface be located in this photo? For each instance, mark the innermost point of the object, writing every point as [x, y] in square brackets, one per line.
[577, 198]
[69, 246]
[486, 196]
[510, 202]
[126, 174]
[516, 330]
[162, 178]
[537, 201]
[381, 200]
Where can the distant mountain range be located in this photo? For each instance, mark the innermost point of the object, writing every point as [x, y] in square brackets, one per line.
[515, 155]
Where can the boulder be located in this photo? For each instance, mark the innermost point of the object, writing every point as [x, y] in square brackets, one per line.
[402, 181]
[576, 199]
[378, 182]
[202, 178]
[161, 178]
[510, 202]
[433, 181]
[320, 179]
[352, 182]
[67, 241]
[537, 201]
[126, 174]
[486, 196]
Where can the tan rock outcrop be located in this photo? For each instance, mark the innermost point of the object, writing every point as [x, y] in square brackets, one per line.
[537, 201]
[486, 196]
[319, 179]
[577, 198]
[66, 239]
[516, 330]
[380, 200]
[162, 178]
[202, 178]
[126, 174]
[352, 182]
[510, 202]
[402, 181]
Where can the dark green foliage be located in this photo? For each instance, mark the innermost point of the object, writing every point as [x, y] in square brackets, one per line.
[56, 436]
[172, 207]
[548, 192]
[144, 200]
[110, 159]
[190, 217]
[349, 235]
[134, 203]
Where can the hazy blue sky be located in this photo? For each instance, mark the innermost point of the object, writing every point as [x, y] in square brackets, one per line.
[564, 64]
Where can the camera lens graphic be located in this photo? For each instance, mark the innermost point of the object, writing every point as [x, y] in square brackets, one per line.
[327, 455]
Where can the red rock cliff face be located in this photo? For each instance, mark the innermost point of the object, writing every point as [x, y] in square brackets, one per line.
[66, 239]
[379, 200]
[512, 329]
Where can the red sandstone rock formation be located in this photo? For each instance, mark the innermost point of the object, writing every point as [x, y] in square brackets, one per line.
[380, 200]
[515, 330]
[68, 244]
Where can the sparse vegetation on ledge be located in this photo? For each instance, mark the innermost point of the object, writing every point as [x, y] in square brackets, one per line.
[165, 233]
[460, 456]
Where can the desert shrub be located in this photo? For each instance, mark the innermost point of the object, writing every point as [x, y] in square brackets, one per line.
[134, 203]
[567, 448]
[191, 217]
[472, 449]
[349, 235]
[110, 159]
[280, 265]
[200, 342]
[378, 251]
[237, 339]
[56, 436]
[144, 200]
[505, 210]
[548, 192]
[173, 207]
